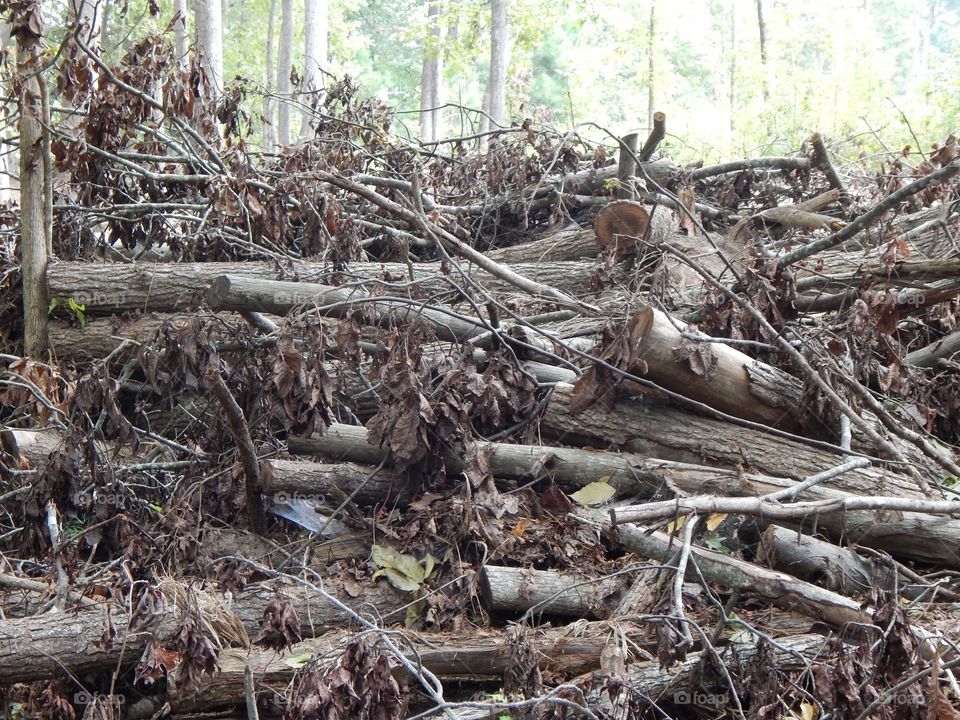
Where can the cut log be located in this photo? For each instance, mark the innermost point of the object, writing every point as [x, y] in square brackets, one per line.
[629, 229]
[940, 352]
[329, 484]
[111, 288]
[232, 292]
[50, 645]
[549, 592]
[569, 467]
[774, 587]
[913, 536]
[472, 654]
[652, 429]
[714, 373]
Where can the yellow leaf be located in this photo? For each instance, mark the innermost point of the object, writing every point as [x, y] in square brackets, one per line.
[713, 522]
[808, 711]
[594, 493]
[675, 525]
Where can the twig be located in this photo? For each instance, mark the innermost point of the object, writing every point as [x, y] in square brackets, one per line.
[248, 454]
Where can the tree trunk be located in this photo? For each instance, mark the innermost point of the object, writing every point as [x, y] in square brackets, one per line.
[499, 58]
[430, 77]
[314, 61]
[470, 653]
[762, 26]
[110, 288]
[549, 592]
[33, 235]
[284, 67]
[651, 46]
[180, 35]
[732, 97]
[48, 645]
[209, 21]
[268, 138]
[7, 157]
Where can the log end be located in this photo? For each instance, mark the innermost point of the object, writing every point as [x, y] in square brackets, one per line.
[218, 291]
[620, 226]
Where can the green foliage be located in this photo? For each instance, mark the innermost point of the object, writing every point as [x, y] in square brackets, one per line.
[72, 306]
[855, 69]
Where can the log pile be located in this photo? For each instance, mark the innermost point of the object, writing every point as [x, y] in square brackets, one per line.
[544, 427]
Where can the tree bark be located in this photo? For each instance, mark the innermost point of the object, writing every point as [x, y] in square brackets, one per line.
[48, 645]
[762, 27]
[328, 483]
[284, 68]
[714, 373]
[472, 653]
[652, 429]
[315, 29]
[499, 58]
[178, 287]
[549, 592]
[33, 236]
[651, 45]
[231, 292]
[430, 77]
[209, 22]
[181, 35]
[268, 137]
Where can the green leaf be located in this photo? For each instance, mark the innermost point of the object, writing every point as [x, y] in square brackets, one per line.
[594, 493]
[401, 581]
[298, 661]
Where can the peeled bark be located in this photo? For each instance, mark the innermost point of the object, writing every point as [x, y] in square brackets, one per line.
[714, 373]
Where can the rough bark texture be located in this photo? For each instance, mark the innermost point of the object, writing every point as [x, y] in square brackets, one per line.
[549, 592]
[649, 428]
[33, 242]
[48, 645]
[499, 57]
[714, 373]
[473, 654]
[314, 59]
[284, 66]
[328, 483]
[179, 287]
[209, 22]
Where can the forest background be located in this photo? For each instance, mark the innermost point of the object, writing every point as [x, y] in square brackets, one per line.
[735, 77]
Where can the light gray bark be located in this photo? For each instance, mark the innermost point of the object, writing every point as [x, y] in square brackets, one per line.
[181, 41]
[268, 138]
[209, 21]
[315, 27]
[33, 236]
[499, 59]
[284, 66]
[430, 77]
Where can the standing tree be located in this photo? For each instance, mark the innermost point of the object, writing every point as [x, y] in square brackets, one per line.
[181, 43]
[6, 162]
[499, 58]
[209, 21]
[431, 77]
[762, 26]
[314, 60]
[651, 47]
[284, 67]
[27, 27]
[268, 139]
